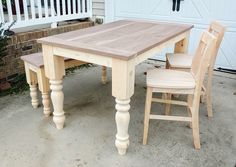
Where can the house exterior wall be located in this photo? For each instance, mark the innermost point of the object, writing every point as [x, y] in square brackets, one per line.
[98, 8]
[25, 43]
[196, 12]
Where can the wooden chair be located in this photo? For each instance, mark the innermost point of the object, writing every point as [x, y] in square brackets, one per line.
[35, 75]
[183, 62]
[169, 81]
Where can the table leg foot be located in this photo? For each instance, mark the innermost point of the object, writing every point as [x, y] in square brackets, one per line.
[57, 97]
[122, 123]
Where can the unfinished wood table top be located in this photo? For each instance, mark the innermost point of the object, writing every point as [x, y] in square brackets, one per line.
[123, 39]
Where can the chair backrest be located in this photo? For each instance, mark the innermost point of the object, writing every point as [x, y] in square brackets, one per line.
[218, 30]
[203, 56]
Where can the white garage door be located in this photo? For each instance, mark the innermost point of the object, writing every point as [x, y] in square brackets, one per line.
[197, 12]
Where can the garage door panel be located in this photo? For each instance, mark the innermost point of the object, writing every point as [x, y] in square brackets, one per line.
[189, 7]
[194, 39]
[223, 10]
[222, 60]
[226, 56]
[197, 12]
[161, 8]
[228, 51]
[131, 6]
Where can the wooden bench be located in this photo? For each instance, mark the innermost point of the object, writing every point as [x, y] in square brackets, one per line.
[35, 75]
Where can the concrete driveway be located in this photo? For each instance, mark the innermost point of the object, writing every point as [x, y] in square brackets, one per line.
[27, 139]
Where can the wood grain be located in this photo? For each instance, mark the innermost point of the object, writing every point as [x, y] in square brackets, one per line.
[36, 59]
[121, 39]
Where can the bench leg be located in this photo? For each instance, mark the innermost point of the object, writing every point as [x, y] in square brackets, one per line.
[31, 78]
[57, 97]
[34, 96]
[46, 104]
[44, 88]
[104, 75]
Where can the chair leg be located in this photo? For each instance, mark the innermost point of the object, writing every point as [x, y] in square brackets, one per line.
[34, 96]
[167, 64]
[208, 93]
[147, 114]
[167, 106]
[190, 103]
[46, 104]
[195, 127]
[203, 95]
[195, 123]
[104, 75]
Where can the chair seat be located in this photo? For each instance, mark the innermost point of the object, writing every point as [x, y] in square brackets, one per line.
[179, 60]
[170, 79]
[36, 59]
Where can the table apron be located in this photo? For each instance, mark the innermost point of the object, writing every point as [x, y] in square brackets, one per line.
[107, 61]
[82, 56]
[144, 56]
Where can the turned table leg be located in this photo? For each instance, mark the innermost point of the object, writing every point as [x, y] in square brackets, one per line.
[57, 97]
[55, 70]
[123, 73]
[122, 123]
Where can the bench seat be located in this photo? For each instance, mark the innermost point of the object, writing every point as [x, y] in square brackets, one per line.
[35, 75]
[36, 59]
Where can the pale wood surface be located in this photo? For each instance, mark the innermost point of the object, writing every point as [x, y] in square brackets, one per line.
[36, 59]
[35, 74]
[170, 118]
[148, 103]
[120, 45]
[34, 96]
[104, 74]
[116, 39]
[179, 60]
[182, 45]
[46, 104]
[165, 78]
[184, 61]
[174, 81]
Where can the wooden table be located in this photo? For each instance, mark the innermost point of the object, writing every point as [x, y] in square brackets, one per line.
[120, 45]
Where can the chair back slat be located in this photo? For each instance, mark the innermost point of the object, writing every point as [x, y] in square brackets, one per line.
[203, 56]
[218, 30]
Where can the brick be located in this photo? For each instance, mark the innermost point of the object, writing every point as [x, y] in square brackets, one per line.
[25, 43]
[5, 86]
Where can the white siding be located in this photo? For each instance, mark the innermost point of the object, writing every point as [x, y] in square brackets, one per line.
[197, 12]
[99, 8]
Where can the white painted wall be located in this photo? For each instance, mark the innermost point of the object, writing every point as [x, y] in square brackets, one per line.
[197, 12]
[99, 8]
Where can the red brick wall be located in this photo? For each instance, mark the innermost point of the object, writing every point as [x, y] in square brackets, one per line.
[25, 43]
